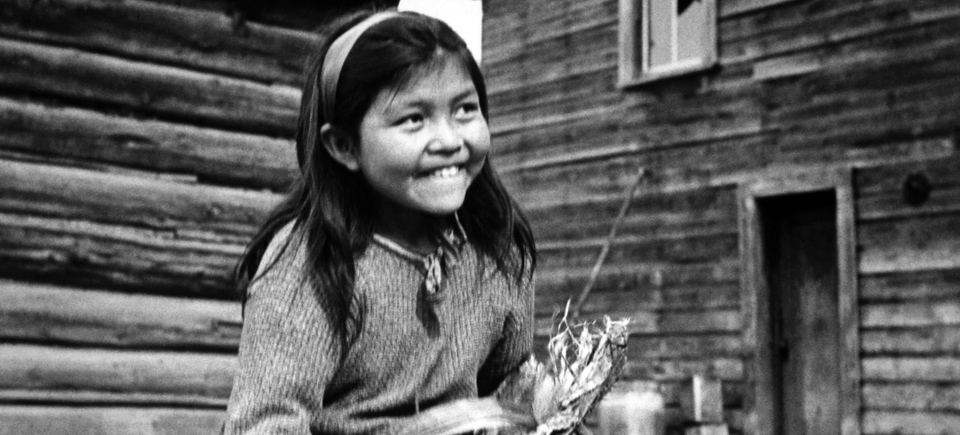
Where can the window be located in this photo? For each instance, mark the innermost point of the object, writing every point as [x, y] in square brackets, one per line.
[666, 38]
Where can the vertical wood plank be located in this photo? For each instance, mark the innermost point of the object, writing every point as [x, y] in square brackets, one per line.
[849, 312]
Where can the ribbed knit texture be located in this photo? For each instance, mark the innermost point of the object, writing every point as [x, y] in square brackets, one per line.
[412, 354]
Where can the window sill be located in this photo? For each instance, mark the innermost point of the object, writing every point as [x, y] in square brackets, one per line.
[665, 74]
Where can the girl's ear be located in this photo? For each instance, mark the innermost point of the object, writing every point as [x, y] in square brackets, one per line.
[340, 145]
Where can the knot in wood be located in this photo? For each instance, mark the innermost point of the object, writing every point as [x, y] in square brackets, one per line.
[916, 189]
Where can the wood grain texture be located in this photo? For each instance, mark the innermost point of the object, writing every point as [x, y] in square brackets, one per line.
[108, 398]
[912, 396]
[773, 36]
[184, 211]
[909, 423]
[626, 249]
[881, 190]
[618, 294]
[783, 31]
[911, 286]
[725, 369]
[934, 313]
[771, 33]
[42, 313]
[734, 7]
[689, 347]
[674, 215]
[927, 369]
[87, 138]
[647, 280]
[800, 132]
[150, 89]
[304, 16]
[139, 145]
[67, 420]
[720, 164]
[566, 17]
[43, 368]
[188, 37]
[117, 257]
[918, 244]
[912, 341]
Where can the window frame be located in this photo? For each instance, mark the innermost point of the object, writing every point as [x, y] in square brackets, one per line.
[633, 69]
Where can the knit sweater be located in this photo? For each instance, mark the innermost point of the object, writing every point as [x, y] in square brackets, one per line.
[412, 353]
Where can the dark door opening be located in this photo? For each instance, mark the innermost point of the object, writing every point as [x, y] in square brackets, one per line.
[799, 236]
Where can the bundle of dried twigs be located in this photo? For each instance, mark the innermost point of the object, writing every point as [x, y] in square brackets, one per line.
[542, 399]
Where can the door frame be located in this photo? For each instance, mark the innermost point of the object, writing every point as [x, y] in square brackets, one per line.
[755, 293]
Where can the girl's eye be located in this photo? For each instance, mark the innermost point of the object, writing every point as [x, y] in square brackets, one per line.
[467, 110]
[410, 120]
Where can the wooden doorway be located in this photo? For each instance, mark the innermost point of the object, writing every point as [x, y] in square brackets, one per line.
[800, 247]
[800, 304]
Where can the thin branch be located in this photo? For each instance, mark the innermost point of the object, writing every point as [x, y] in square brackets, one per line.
[628, 197]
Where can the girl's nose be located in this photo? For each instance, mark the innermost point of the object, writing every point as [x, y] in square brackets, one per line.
[446, 139]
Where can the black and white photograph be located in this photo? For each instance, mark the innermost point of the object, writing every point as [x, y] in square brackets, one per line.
[479, 217]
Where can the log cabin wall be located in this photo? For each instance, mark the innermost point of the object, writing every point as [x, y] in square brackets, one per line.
[870, 85]
[141, 143]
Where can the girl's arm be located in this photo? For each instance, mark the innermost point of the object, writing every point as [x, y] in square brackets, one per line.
[516, 343]
[287, 353]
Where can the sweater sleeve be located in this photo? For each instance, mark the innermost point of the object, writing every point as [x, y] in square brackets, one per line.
[516, 343]
[287, 353]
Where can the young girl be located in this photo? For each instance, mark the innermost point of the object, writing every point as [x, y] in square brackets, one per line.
[397, 274]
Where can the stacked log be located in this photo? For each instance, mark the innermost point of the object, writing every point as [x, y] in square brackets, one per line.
[142, 143]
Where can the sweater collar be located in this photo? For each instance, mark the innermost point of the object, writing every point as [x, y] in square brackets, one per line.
[437, 264]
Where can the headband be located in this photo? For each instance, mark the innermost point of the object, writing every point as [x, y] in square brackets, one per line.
[337, 55]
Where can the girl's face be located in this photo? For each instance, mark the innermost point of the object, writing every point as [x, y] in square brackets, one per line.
[423, 144]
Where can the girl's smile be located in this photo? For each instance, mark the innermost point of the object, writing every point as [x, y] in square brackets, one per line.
[423, 144]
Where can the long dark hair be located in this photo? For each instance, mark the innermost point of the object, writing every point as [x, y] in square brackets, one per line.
[323, 202]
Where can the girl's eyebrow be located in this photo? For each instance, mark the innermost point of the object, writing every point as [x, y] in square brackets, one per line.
[466, 92]
[414, 101]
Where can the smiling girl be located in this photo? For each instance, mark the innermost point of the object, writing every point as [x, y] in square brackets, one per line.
[397, 273]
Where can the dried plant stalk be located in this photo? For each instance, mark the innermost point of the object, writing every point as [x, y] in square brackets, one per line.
[585, 361]
[542, 399]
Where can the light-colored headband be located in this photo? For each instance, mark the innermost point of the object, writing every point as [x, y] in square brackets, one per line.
[337, 55]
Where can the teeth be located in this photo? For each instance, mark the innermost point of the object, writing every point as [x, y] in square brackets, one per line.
[448, 171]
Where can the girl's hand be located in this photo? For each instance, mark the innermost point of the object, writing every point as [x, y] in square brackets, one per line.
[468, 415]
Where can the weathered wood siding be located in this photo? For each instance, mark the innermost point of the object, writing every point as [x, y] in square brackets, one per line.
[806, 83]
[141, 143]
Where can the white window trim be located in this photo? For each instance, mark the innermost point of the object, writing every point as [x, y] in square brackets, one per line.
[634, 70]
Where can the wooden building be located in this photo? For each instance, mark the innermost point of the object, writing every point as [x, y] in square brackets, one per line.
[797, 231]
[141, 142]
